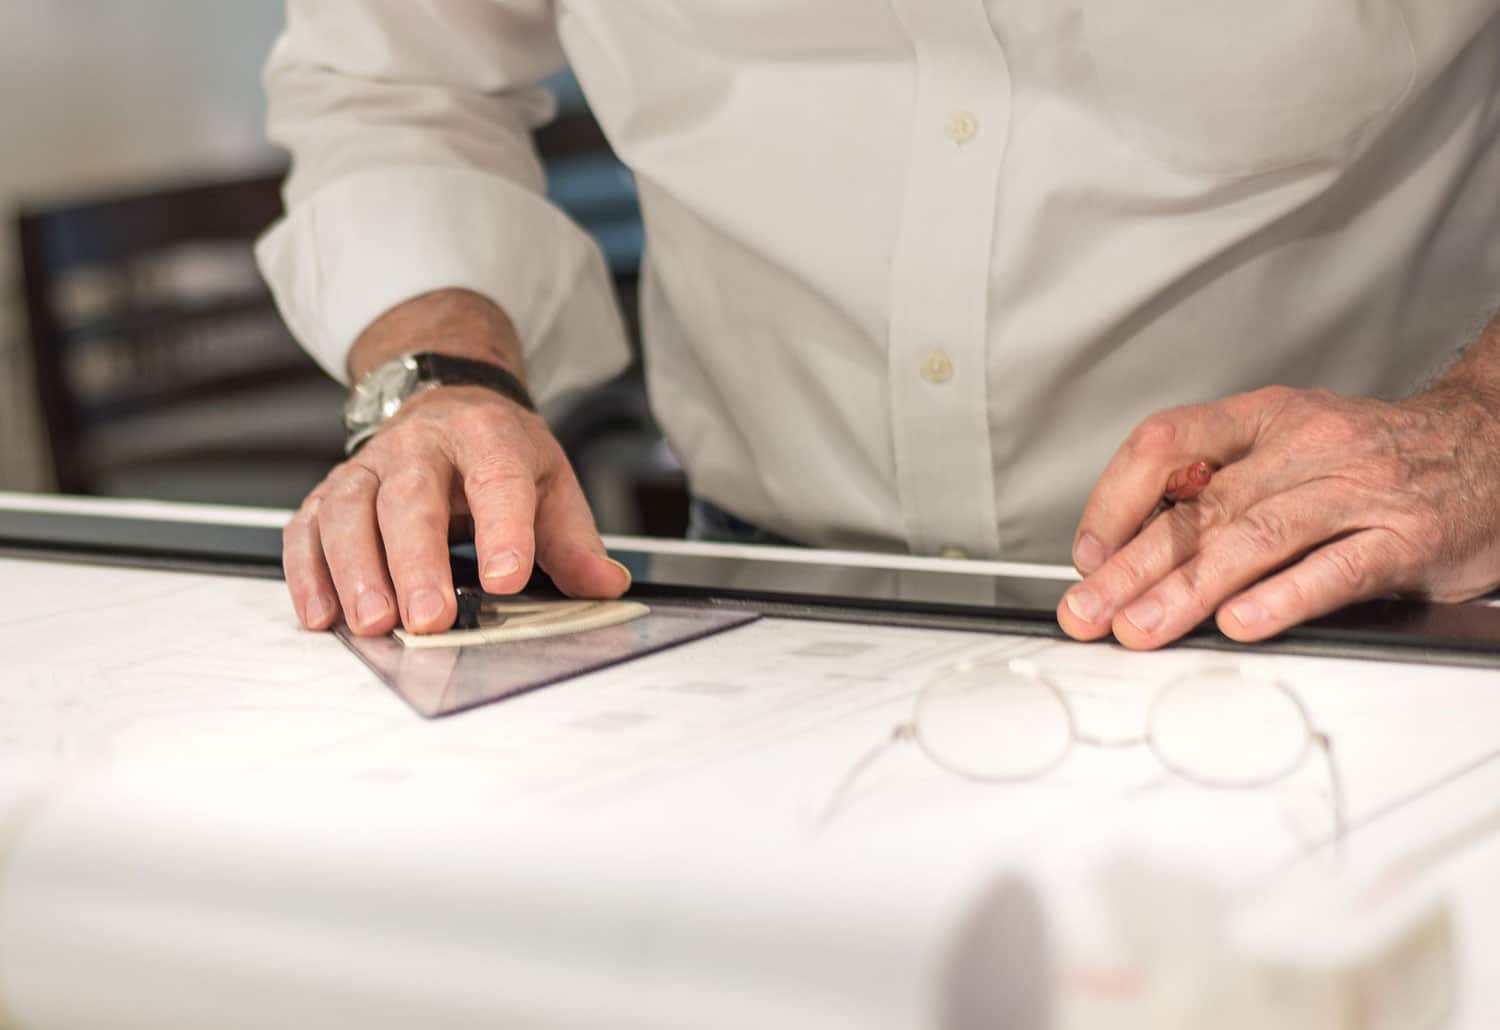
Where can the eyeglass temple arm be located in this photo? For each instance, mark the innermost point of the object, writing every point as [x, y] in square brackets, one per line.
[1336, 791]
[900, 732]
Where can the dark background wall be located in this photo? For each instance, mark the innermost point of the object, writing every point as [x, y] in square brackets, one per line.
[102, 95]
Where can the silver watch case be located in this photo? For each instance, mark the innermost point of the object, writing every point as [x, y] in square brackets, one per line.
[378, 396]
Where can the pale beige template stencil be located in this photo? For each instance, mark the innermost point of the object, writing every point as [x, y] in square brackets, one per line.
[504, 621]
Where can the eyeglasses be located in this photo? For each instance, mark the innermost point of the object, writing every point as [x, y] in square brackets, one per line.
[1001, 719]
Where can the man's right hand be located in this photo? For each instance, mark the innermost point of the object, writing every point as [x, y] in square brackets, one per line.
[372, 538]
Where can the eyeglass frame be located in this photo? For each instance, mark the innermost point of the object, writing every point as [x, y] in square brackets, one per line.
[910, 729]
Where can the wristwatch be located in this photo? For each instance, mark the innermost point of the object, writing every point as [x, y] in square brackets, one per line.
[383, 389]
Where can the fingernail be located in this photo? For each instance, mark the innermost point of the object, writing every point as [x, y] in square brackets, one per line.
[1145, 615]
[1247, 613]
[1088, 553]
[1084, 603]
[319, 610]
[628, 577]
[501, 565]
[371, 608]
[425, 606]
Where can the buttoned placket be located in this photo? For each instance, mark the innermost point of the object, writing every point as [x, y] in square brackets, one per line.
[937, 348]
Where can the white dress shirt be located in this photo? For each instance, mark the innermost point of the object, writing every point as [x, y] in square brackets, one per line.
[914, 267]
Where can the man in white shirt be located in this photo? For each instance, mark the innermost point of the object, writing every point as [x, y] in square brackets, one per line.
[915, 270]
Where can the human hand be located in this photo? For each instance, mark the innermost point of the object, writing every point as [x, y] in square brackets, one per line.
[372, 538]
[1319, 501]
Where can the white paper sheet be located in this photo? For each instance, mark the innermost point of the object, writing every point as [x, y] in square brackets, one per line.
[198, 802]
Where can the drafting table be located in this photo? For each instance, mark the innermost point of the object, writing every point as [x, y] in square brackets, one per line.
[209, 817]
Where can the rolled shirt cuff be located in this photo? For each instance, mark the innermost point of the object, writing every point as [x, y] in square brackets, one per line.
[363, 244]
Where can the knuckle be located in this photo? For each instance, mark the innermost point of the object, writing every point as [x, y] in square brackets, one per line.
[548, 451]
[498, 473]
[480, 421]
[303, 522]
[1275, 394]
[555, 470]
[1319, 395]
[307, 511]
[1202, 515]
[409, 486]
[413, 511]
[1349, 570]
[1334, 429]
[1265, 529]
[1295, 596]
[1131, 570]
[1154, 437]
[385, 440]
[1195, 581]
[344, 493]
[1270, 403]
[348, 483]
[418, 525]
[1215, 507]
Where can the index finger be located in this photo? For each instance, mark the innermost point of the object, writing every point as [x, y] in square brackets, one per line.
[1135, 479]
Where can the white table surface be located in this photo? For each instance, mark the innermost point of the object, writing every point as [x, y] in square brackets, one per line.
[211, 817]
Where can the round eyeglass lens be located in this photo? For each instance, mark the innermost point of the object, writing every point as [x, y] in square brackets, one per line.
[993, 720]
[1223, 727]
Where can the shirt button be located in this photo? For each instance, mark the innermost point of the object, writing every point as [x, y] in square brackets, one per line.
[953, 554]
[962, 126]
[937, 367]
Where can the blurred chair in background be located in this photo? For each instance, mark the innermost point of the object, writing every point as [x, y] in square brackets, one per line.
[162, 367]
[164, 371]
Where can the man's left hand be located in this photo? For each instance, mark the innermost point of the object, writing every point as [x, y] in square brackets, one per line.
[1319, 500]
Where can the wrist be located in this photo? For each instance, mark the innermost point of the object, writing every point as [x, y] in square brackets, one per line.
[452, 322]
[1476, 371]
[389, 387]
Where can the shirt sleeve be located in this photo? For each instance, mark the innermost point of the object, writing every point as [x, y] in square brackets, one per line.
[409, 124]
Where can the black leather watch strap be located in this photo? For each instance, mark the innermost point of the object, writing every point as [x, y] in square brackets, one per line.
[447, 370]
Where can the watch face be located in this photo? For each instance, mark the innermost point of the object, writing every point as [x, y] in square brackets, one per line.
[379, 394]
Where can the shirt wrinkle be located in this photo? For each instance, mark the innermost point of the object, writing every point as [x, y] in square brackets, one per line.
[918, 265]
